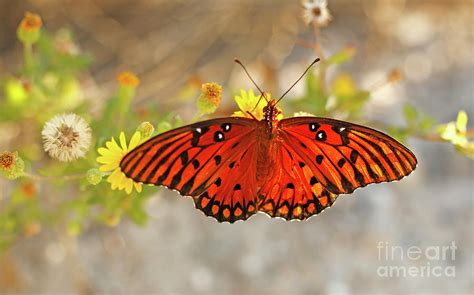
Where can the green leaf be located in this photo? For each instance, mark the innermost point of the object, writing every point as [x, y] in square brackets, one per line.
[426, 124]
[399, 133]
[411, 114]
[314, 101]
[466, 149]
[461, 122]
[164, 126]
[74, 228]
[342, 56]
[138, 215]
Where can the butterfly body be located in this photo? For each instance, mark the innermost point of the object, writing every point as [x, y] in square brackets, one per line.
[291, 168]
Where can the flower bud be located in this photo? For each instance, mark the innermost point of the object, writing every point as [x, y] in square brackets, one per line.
[128, 79]
[29, 28]
[394, 75]
[94, 176]
[145, 129]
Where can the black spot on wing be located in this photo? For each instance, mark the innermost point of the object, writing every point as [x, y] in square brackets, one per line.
[354, 155]
[343, 132]
[321, 135]
[184, 157]
[313, 127]
[176, 180]
[341, 162]
[218, 136]
[319, 159]
[197, 133]
[226, 127]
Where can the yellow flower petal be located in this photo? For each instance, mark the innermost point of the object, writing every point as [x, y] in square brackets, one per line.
[134, 141]
[249, 102]
[128, 186]
[123, 141]
[113, 146]
[138, 187]
[108, 167]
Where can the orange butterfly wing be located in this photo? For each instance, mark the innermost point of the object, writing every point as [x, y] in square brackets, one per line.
[319, 158]
[313, 161]
[213, 161]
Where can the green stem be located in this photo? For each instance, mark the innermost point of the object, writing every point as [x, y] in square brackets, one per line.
[125, 97]
[424, 136]
[28, 59]
[319, 51]
[51, 177]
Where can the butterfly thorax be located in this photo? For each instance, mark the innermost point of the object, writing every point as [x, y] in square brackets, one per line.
[270, 114]
[267, 138]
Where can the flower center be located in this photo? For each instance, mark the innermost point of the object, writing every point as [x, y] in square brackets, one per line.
[6, 160]
[316, 11]
[66, 136]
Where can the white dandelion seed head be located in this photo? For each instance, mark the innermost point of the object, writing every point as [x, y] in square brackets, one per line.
[316, 11]
[66, 137]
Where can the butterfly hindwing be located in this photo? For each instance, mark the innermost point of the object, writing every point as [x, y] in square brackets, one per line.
[213, 161]
[293, 191]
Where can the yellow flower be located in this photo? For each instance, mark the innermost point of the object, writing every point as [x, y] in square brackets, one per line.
[249, 102]
[128, 79]
[112, 155]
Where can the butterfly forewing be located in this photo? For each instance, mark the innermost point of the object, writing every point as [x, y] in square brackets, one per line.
[345, 156]
[213, 161]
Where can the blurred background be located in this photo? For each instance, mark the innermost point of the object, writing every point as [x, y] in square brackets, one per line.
[172, 45]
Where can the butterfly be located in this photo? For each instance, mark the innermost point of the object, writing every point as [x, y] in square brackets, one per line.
[291, 168]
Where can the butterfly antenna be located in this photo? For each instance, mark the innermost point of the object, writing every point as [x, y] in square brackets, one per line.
[261, 92]
[296, 82]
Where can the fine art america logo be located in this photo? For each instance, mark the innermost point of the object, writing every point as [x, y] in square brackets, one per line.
[415, 261]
